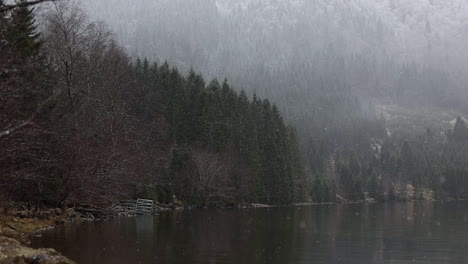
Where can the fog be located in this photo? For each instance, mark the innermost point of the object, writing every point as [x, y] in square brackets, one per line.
[391, 51]
[238, 104]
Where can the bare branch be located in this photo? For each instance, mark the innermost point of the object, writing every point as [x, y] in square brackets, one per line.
[29, 120]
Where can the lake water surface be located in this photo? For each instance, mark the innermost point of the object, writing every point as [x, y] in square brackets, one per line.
[364, 233]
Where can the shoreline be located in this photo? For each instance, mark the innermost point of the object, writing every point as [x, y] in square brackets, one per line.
[19, 226]
[15, 233]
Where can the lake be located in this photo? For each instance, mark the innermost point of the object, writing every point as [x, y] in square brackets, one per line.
[416, 232]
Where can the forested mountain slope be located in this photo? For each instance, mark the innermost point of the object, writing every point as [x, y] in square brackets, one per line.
[355, 77]
[388, 50]
[83, 123]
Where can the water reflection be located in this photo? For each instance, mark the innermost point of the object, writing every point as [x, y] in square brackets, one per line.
[367, 233]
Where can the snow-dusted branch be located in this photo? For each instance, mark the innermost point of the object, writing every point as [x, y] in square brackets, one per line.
[6, 8]
[28, 121]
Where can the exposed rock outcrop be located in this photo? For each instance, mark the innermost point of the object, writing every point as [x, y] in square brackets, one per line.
[12, 251]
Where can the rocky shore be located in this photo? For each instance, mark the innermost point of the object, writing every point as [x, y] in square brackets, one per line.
[13, 251]
[17, 226]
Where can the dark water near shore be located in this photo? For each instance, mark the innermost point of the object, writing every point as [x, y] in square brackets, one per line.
[366, 233]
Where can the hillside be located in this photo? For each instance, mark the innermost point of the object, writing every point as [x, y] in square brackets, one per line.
[368, 46]
[348, 74]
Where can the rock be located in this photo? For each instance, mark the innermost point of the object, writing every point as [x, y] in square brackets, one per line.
[58, 211]
[11, 251]
[177, 202]
[47, 215]
[396, 192]
[409, 192]
[425, 194]
[39, 215]
[71, 213]
[52, 212]
[43, 215]
[24, 214]
[91, 216]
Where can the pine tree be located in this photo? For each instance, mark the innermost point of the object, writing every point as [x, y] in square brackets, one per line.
[296, 164]
[138, 69]
[180, 172]
[22, 30]
[407, 157]
[195, 87]
[176, 98]
[247, 144]
[164, 86]
[459, 132]
[3, 21]
[429, 134]
[316, 191]
[3, 28]
[145, 68]
[375, 188]
[216, 119]
[213, 118]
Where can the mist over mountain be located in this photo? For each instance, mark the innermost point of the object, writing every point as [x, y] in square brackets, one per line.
[122, 108]
[390, 51]
[377, 90]
[324, 101]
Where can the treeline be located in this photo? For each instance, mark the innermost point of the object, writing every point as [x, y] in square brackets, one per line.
[372, 163]
[224, 146]
[81, 123]
[322, 87]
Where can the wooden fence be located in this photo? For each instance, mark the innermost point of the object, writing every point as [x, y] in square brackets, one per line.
[138, 207]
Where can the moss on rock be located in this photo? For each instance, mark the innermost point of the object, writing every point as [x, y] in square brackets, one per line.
[11, 251]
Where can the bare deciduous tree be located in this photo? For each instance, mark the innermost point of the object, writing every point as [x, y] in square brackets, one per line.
[212, 178]
[74, 140]
[99, 149]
